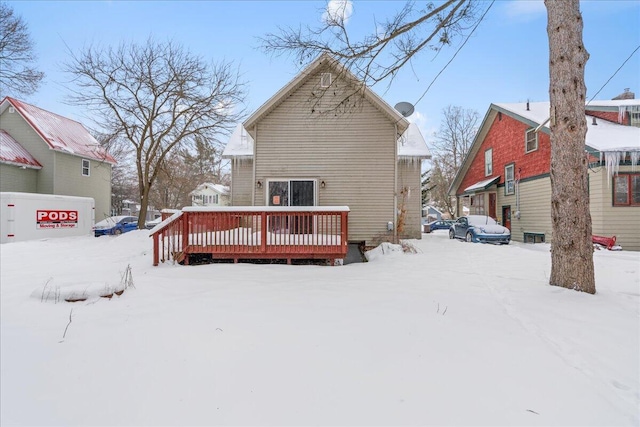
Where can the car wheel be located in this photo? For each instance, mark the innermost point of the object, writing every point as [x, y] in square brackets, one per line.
[469, 237]
[452, 234]
[117, 231]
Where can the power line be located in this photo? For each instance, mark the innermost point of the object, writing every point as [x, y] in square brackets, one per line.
[613, 75]
[454, 55]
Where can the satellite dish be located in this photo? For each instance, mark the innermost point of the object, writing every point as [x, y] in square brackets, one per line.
[404, 108]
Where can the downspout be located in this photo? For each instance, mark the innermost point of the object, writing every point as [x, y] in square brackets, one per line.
[395, 183]
[253, 166]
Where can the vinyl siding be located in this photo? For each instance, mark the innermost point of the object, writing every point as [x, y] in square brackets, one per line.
[353, 152]
[70, 182]
[61, 173]
[241, 182]
[608, 220]
[20, 130]
[409, 191]
[13, 178]
[535, 208]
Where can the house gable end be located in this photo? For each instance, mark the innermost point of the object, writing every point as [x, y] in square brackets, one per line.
[354, 89]
[57, 132]
[504, 134]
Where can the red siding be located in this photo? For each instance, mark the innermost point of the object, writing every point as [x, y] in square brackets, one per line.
[611, 116]
[506, 137]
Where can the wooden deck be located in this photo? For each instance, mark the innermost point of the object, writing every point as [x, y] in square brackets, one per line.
[253, 232]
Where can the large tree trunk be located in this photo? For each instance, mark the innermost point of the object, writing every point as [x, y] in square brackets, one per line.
[571, 248]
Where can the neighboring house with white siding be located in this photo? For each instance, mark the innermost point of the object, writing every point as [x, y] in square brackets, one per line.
[325, 139]
[506, 173]
[42, 152]
[208, 194]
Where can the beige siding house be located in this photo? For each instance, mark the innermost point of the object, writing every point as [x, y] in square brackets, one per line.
[326, 140]
[516, 189]
[45, 153]
[209, 194]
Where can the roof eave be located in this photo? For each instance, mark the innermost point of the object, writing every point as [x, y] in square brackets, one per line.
[20, 165]
[297, 81]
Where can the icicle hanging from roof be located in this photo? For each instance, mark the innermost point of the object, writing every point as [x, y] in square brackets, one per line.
[612, 160]
[635, 157]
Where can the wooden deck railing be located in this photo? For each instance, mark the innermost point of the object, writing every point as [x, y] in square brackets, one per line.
[248, 232]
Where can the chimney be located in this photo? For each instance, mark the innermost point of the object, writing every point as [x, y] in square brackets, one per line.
[527, 105]
[627, 94]
[594, 123]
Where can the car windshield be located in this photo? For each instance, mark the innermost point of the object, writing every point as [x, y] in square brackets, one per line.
[110, 221]
[481, 220]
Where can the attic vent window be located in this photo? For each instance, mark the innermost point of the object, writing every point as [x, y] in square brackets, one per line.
[325, 80]
[12, 110]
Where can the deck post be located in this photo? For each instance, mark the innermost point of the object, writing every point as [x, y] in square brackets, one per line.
[263, 232]
[156, 249]
[344, 235]
[185, 236]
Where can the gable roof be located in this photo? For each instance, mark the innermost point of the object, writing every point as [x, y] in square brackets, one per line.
[325, 60]
[12, 153]
[240, 144]
[604, 137]
[59, 133]
[609, 139]
[411, 144]
[218, 188]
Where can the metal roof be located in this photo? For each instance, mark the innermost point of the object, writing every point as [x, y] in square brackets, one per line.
[60, 133]
[11, 152]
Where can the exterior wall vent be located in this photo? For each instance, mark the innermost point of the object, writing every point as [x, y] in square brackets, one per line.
[325, 80]
[12, 110]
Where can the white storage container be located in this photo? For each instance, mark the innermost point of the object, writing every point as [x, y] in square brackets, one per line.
[30, 216]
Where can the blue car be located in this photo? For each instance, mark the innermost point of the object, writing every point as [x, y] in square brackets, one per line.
[479, 228]
[115, 225]
[443, 224]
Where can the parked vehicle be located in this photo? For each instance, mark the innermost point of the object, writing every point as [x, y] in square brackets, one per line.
[115, 225]
[150, 224]
[479, 228]
[443, 224]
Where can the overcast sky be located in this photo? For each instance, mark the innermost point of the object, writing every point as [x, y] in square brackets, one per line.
[506, 60]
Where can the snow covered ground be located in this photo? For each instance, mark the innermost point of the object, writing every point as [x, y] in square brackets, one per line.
[456, 334]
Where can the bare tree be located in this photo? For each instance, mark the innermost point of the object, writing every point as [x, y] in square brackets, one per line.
[176, 179]
[457, 130]
[452, 142]
[158, 97]
[390, 46]
[571, 248]
[206, 162]
[16, 55]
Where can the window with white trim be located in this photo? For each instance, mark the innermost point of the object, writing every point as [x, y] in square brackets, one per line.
[488, 162]
[86, 167]
[530, 141]
[509, 180]
[626, 190]
[477, 204]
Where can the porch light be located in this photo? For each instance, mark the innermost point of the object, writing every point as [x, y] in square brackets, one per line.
[259, 184]
[322, 184]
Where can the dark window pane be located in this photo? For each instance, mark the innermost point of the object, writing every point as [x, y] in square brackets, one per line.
[635, 189]
[302, 193]
[621, 190]
[278, 193]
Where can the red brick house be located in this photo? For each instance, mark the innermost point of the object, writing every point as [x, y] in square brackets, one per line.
[506, 173]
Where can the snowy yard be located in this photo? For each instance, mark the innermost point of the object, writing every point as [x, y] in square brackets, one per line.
[457, 334]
